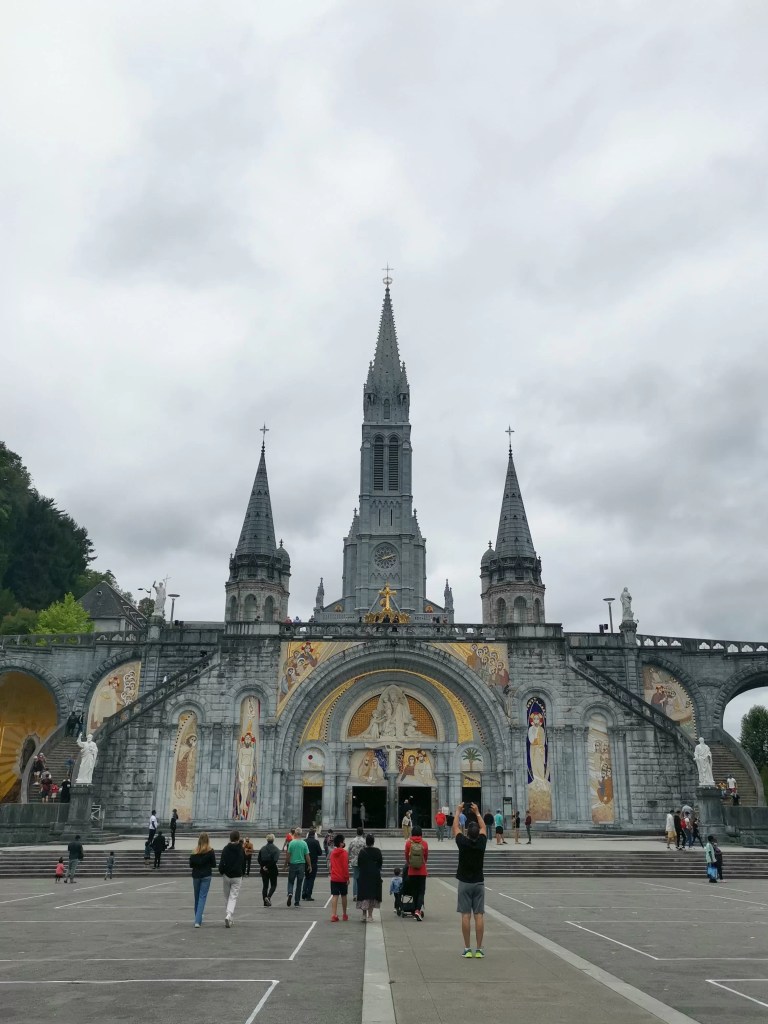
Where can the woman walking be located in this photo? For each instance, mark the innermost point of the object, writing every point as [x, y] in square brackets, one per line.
[202, 862]
[369, 863]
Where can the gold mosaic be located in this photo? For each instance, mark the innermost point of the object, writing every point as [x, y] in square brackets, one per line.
[361, 719]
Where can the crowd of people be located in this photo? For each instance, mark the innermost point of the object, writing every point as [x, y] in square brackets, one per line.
[683, 829]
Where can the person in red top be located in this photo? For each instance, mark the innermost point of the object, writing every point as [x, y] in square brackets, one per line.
[416, 856]
[338, 867]
[440, 820]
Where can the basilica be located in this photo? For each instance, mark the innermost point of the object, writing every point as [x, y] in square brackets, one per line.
[380, 696]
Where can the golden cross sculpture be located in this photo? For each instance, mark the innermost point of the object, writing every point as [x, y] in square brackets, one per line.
[385, 596]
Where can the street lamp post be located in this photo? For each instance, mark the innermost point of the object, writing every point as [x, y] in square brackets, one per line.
[173, 604]
[609, 601]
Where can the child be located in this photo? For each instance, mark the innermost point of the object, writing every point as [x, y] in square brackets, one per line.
[110, 865]
[60, 869]
[339, 872]
[396, 890]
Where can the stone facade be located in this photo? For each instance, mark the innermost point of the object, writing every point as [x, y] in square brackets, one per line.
[381, 696]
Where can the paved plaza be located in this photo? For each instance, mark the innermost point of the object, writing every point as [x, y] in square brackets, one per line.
[560, 950]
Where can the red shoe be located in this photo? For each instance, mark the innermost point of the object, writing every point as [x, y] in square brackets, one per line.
[334, 918]
[345, 917]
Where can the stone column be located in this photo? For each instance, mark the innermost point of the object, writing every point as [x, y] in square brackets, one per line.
[392, 821]
[581, 755]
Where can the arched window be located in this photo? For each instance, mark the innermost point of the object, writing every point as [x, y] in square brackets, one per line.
[520, 609]
[386, 409]
[269, 610]
[378, 463]
[393, 474]
[249, 609]
[232, 615]
[537, 611]
[501, 611]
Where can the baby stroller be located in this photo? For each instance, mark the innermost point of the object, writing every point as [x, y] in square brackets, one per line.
[407, 900]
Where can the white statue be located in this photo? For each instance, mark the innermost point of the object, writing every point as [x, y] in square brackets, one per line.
[88, 755]
[626, 606]
[702, 755]
[159, 599]
[392, 718]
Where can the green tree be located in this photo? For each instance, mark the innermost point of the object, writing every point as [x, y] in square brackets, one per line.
[65, 616]
[147, 606]
[15, 491]
[754, 735]
[18, 623]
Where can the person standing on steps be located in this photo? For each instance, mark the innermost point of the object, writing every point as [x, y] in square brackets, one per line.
[528, 823]
[679, 833]
[158, 845]
[202, 861]
[315, 849]
[517, 827]
[268, 858]
[440, 820]
[298, 863]
[669, 828]
[232, 869]
[416, 855]
[174, 819]
[471, 894]
[363, 814]
[76, 854]
[152, 826]
[489, 821]
[353, 852]
[406, 824]
[499, 823]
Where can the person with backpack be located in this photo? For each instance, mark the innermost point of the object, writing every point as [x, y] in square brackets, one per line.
[416, 856]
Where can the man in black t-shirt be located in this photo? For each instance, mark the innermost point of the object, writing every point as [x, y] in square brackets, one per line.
[471, 896]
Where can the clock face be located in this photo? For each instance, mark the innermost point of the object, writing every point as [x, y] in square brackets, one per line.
[385, 557]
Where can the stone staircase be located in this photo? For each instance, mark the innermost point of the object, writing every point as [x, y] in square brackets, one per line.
[506, 863]
[725, 763]
[56, 763]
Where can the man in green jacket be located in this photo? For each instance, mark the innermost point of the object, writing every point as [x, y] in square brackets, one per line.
[298, 862]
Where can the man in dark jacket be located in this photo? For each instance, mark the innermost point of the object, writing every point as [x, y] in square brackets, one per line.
[268, 858]
[315, 849]
[232, 869]
[158, 845]
[75, 852]
[174, 819]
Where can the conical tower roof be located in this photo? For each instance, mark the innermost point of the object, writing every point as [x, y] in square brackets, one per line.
[257, 536]
[514, 537]
[386, 374]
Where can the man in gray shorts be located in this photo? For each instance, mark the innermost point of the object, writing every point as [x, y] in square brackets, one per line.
[471, 899]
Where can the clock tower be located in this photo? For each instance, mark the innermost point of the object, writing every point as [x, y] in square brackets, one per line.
[385, 544]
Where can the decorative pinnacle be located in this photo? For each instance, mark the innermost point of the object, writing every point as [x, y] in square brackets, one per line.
[509, 431]
[263, 431]
[388, 278]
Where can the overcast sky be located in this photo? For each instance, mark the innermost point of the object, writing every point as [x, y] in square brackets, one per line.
[196, 200]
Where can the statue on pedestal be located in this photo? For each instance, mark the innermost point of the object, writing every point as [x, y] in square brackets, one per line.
[702, 755]
[159, 599]
[626, 606]
[89, 753]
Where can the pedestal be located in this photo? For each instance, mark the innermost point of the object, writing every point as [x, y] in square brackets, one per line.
[709, 805]
[80, 803]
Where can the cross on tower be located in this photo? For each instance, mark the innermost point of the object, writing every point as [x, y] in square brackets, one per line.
[263, 431]
[509, 431]
[388, 278]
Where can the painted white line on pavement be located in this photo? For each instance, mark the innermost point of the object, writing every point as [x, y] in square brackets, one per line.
[325, 905]
[513, 898]
[260, 1005]
[719, 984]
[629, 992]
[20, 899]
[145, 981]
[145, 959]
[600, 935]
[306, 936]
[92, 899]
[673, 888]
[378, 1007]
[156, 886]
[735, 899]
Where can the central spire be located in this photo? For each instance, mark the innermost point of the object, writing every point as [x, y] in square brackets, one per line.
[386, 390]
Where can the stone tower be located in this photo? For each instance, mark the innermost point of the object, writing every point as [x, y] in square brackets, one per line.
[384, 543]
[511, 588]
[259, 570]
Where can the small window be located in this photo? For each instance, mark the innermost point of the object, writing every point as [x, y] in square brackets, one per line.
[378, 463]
[393, 467]
[386, 409]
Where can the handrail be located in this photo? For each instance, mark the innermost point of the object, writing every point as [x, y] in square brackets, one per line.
[177, 682]
[622, 695]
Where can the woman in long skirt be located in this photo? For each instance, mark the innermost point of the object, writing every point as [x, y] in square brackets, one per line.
[369, 864]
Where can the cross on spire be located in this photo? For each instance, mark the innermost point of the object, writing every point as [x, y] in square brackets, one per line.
[388, 277]
[510, 432]
[263, 431]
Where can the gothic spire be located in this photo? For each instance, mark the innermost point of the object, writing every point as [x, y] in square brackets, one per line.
[257, 536]
[386, 389]
[514, 537]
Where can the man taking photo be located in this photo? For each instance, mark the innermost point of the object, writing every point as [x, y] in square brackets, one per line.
[471, 895]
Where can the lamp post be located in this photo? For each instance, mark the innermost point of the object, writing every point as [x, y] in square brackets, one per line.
[609, 601]
[173, 604]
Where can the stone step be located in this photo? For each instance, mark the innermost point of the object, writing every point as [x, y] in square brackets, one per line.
[725, 763]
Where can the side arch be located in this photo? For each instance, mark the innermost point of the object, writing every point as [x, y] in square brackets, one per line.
[53, 683]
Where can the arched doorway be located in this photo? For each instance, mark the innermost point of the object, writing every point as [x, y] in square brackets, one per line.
[27, 713]
[745, 743]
